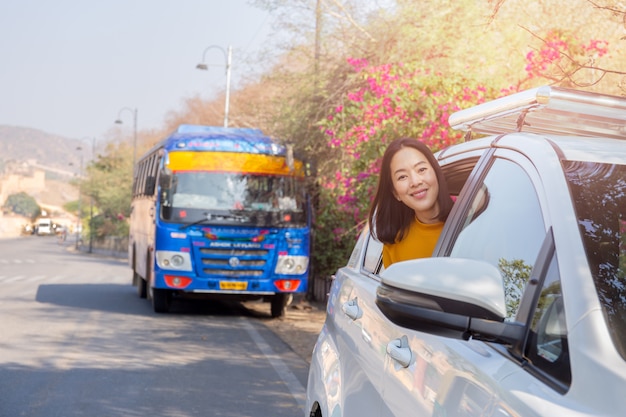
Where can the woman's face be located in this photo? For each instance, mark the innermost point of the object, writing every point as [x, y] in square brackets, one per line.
[415, 183]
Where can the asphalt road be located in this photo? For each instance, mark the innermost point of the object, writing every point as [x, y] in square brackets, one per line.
[76, 340]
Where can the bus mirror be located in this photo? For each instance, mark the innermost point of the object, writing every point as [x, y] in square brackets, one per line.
[165, 178]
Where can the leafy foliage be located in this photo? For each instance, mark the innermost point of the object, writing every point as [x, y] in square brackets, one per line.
[23, 204]
[108, 183]
[516, 274]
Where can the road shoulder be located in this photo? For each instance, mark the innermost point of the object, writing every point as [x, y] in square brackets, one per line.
[299, 327]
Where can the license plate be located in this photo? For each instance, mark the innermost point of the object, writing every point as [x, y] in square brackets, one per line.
[233, 285]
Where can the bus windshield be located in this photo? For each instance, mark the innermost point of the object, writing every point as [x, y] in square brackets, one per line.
[223, 197]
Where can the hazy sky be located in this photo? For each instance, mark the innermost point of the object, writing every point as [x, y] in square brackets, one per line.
[69, 67]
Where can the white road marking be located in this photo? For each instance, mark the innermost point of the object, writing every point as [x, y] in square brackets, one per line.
[293, 384]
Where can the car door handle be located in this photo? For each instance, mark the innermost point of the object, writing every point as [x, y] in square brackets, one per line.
[400, 352]
[351, 309]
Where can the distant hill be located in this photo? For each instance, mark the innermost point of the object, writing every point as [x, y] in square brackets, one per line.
[22, 144]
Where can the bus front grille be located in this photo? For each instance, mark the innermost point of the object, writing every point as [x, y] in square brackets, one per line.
[233, 252]
[241, 273]
[233, 262]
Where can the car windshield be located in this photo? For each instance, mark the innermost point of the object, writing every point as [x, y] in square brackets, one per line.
[190, 196]
[599, 196]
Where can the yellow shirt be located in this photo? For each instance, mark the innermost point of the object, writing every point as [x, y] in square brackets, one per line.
[418, 243]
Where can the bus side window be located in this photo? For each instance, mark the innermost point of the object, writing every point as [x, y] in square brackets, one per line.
[143, 175]
[136, 183]
[141, 168]
[151, 175]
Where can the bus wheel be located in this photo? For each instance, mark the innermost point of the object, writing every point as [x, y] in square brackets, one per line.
[279, 304]
[142, 287]
[161, 300]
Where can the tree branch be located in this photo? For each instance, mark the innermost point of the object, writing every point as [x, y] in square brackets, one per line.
[347, 16]
[569, 74]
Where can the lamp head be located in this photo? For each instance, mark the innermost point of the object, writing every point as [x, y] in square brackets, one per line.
[202, 66]
[118, 121]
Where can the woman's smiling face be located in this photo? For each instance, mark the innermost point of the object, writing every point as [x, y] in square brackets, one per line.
[415, 183]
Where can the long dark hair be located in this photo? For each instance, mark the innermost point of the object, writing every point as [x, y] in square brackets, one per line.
[391, 219]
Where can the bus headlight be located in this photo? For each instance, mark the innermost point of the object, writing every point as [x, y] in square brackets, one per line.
[175, 261]
[291, 265]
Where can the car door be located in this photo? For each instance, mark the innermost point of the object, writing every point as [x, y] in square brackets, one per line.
[499, 218]
[360, 335]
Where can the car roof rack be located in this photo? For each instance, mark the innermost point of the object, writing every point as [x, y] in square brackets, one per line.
[546, 110]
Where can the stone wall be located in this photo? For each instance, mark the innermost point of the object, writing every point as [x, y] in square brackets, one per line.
[110, 246]
[16, 183]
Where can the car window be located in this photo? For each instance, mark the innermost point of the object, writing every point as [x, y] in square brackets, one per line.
[456, 173]
[373, 256]
[503, 226]
[356, 251]
[599, 196]
[547, 348]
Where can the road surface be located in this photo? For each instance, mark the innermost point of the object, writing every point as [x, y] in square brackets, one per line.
[77, 341]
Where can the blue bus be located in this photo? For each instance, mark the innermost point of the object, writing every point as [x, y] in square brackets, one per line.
[222, 213]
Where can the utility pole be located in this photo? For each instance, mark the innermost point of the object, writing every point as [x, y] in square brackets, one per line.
[318, 36]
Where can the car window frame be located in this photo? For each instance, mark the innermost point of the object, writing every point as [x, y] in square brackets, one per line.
[547, 253]
[376, 246]
[473, 185]
[452, 226]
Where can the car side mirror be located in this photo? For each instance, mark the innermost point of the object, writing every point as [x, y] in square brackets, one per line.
[452, 297]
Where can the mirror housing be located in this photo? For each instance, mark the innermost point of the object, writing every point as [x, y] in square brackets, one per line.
[165, 177]
[451, 297]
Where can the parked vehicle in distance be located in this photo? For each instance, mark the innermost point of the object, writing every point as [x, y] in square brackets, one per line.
[28, 229]
[521, 311]
[220, 213]
[44, 226]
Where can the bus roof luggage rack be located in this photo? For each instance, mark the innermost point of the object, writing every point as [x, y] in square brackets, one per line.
[547, 110]
[186, 128]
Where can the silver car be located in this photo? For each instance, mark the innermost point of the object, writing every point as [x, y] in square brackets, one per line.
[521, 311]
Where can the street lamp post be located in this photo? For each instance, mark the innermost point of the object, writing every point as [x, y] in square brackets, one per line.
[119, 122]
[93, 155]
[228, 58]
[80, 179]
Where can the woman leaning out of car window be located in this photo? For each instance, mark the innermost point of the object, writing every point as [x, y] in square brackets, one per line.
[411, 202]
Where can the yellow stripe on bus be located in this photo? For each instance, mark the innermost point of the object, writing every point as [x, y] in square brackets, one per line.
[231, 162]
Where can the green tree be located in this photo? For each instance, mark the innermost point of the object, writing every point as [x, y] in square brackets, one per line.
[108, 182]
[23, 204]
[516, 274]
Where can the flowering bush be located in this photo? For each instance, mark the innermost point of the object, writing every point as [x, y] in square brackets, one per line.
[388, 101]
[562, 55]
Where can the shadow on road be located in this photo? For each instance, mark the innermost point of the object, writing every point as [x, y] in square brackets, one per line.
[123, 299]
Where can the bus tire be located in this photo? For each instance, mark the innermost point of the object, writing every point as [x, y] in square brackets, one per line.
[139, 281]
[279, 304]
[161, 300]
[142, 287]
